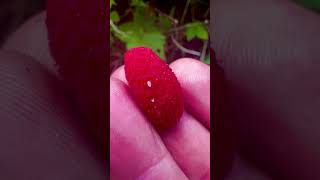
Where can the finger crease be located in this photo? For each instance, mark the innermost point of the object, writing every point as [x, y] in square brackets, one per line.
[152, 166]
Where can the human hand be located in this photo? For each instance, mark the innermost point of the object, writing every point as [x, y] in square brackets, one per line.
[137, 151]
[42, 134]
[269, 51]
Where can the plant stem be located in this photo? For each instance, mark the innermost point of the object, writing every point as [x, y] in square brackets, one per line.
[174, 21]
[185, 11]
[183, 27]
[116, 29]
[206, 13]
[204, 50]
[183, 49]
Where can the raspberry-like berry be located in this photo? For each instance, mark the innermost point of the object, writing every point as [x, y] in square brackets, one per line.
[154, 86]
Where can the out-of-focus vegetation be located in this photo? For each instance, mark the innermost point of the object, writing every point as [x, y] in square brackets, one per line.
[172, 29]
[312, 4]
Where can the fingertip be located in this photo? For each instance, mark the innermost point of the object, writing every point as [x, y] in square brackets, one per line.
[187, 61]
[120, 74]
[194, 77]
[190, 71]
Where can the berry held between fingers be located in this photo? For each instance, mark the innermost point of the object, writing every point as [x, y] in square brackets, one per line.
[154, 86]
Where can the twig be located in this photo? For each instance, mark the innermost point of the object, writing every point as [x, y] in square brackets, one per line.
[204, 50]
[115, 28]
[183, 49]
[178, 28]
[185, 12]
[184, 26]
[174, 21]
[206, 13]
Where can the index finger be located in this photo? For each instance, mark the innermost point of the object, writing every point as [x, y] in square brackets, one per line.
[194, 77]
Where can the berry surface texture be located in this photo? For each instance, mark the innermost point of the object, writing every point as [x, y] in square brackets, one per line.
[154, 87]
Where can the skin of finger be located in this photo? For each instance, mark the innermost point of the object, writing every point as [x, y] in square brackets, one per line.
[120, 74]
[31, 39]
[189, 141]
[189, 144]
[272, 73]
[41, 136]
[136, 150]
[194, 78]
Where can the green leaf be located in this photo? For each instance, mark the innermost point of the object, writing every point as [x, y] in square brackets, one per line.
[165, 23]
[196, 30]
[207, 60]
[114, 16]
[145, 18]
[143, 30]
[128, 26]
[137, 3]
[112, 2]
[156, 41]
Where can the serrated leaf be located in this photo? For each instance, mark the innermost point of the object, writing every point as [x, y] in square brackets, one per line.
[202, 33]
[156, 41]
[130, 28]
[145, 18]
[196, 30]
[133, 42]
[127, 26]
[190, 34]
[114, 16]
[143, 30]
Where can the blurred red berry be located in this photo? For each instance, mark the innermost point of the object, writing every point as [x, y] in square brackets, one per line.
[78, 39]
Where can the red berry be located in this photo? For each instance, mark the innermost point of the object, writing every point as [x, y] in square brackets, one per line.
[78, 39]
[154, 87]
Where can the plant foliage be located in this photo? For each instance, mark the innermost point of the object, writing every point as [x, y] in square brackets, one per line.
[149, 27]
